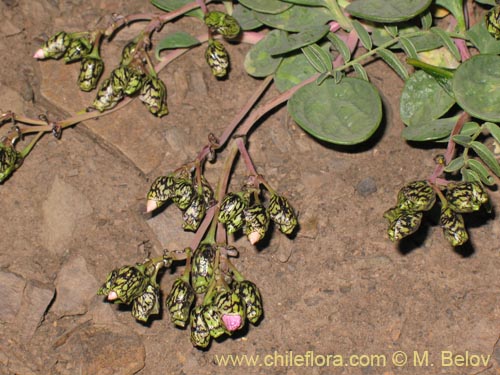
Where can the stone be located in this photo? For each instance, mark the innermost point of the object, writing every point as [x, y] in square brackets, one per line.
[366, 187]
[76, 288]
[11, 294]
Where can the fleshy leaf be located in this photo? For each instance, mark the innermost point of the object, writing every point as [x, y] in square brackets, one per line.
[482, 39]
[494, 130]
[487, 156]
[246, 17]
[363, 35]
[430, 130]
[344, 113]
[293, 70]
[392, 60]
[179, 39]
[448, 42]
[340, 46]
[298, 40]
[387, 11]
[318, 58]
[481, 171]
[455, 164]
[266, 6]
[360, 71]
[408, 47]
[296, 18]
[258, 61]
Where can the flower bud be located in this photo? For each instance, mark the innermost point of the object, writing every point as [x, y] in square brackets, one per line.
[78, 48]
[231, 309]
[282, 213]
[492, 21]
[213, 320]
[207, 191]
[256, 223]
[416, 196]
[453, 227]
[402, 223]
[250, 295]
[184, 193]
[90, 72]
[217, 58]
[154, 96]
[55, 47]
[161, 190]
[179, 302]
[125, 284]
[231, 207]
[465, 197]
[223, 24]
[202, 267]
[119, 78]
[135, 81]
[200, 333]
[147, 304]
[106, 97]
[10, 160]
[195, 213]
[128, 52]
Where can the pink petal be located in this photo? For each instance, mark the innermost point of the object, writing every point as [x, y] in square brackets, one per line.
[232, 322]
[39, 54]
[151, 205]
[112, 296]
[254, 237]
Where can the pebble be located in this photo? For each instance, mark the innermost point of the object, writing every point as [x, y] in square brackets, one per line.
[366, 187]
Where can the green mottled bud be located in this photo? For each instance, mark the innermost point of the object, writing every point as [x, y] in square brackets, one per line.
[282, 213]
[56, 46]
[232, 310]
[147, 304]
[78, 49]
[416, 196]
[90, 72]
[125, 284]
[465, 197]
[223, 24]
[217, 58]
[214, 322]
[207, 191]
[161, 190]
[200, 333]
[250, 295]
[128, 52]
[202, 267]
[231, 207]
[119, 78]
[184, 193]
[235, 224]
[403, 223]
[256, 223]
[10, 160]
[492, 21]
[154, 96]
[453, 227]
[179, 302]
[106, 97]
[135, 81]
[195, 213]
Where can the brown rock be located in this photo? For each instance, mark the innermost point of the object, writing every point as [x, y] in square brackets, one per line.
[11, 294]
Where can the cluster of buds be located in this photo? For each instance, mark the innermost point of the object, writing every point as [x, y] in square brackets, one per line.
[492, 21]
[216, 55]
[419, 196]
[190, 194]
[135, 285]
[237, 211]
[10, 159]
[227, 303]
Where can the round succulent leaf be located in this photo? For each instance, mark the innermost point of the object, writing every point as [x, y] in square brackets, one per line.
[178, 39]
[476, 85]
[423, 42]
[246, 17]
[294, 69]
[311, 3]
[258, 61]
[430, 130]
[301, 39]
[344, 113]
[423, 99]
[387, 11]
[266, 6]
[296, 18]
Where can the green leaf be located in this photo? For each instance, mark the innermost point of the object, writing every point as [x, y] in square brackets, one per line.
[392, 30]
[426, 20]
[455, 164]
[360, 71]
[487, 2]
[423, 99]
[462, 140]
[295, 41]
[178, 39]
[476, 86]
[430, 130]
[486, 156]
[312, 3]
[340, 46]
[321, 78]
[296, 18]
[246, 17]
[387, 11]
[293, 70]
[408, 47]
[266, 6]
[170, 5]
[494, 130]
[470, 128]
[469, 175]
[448, 42]
[346, 113]
[392, 60]
[258, 61]
[482, 39]
[423, 42]
[363, 35]
[456, 8]
[481, 171]
[318, 58]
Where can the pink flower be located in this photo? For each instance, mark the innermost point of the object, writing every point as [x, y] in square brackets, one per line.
[232, 321]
